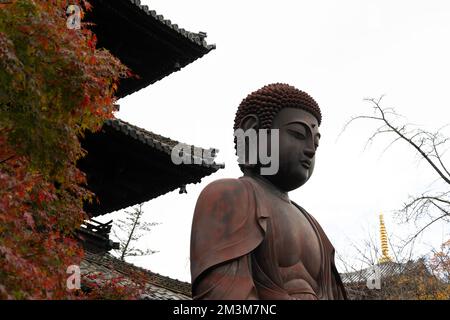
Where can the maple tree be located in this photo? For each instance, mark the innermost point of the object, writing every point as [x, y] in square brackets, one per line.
[98, 286]
[54, 85]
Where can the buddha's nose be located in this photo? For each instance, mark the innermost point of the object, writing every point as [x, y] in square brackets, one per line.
[309, 153]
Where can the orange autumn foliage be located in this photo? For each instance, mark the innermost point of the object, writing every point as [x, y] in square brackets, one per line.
[54, 85]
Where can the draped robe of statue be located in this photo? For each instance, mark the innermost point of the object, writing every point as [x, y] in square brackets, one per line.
[233, 251]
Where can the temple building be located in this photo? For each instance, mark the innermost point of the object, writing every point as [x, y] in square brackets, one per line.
[127, 165]
[390, 275]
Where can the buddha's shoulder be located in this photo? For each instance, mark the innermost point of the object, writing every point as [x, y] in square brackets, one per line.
[225, 186]
[230, 197]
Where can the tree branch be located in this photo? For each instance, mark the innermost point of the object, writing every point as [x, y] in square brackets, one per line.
[428, 224]
[7, 159]
[410, 141]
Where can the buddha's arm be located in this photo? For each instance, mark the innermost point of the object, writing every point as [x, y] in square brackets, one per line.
[231, 280]
[224, 232]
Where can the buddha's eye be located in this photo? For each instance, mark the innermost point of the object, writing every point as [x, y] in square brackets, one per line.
[297, 134]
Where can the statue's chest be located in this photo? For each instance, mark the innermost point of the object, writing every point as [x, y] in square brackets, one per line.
[296, 241]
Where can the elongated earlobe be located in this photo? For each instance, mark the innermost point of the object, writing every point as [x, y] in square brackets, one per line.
[250, 121]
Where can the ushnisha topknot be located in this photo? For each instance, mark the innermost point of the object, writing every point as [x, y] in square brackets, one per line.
[270, 99]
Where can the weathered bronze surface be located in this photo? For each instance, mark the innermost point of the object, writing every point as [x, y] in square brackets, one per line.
[250, 241]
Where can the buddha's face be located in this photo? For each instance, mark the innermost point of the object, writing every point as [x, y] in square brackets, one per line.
[298, 141]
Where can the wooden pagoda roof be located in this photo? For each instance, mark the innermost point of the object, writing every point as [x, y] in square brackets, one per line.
[150, 45]
[127, 165]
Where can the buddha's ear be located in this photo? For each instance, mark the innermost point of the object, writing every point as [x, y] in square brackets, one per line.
[250, 121]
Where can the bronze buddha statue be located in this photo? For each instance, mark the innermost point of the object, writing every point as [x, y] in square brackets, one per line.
[249, 240]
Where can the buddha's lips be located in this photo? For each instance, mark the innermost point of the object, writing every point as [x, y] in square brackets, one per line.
[306, 164]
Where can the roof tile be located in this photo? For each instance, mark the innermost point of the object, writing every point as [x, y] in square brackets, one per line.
[158, 287]
[157, 141]
[194, 37]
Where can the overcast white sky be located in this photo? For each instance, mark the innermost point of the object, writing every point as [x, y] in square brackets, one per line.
[340, 52]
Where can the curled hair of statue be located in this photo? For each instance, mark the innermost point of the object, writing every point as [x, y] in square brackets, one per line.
[267, 101]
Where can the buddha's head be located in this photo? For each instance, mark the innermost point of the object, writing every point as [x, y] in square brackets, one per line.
[297, 117]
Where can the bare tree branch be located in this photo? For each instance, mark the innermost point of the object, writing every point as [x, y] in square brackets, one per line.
[133, 227]
[426, 226]
[427, 145]
[405, 138]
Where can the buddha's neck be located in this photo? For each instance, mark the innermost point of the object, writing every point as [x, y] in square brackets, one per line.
[270, 186]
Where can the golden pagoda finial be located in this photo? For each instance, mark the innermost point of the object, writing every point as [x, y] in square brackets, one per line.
[384, 242]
